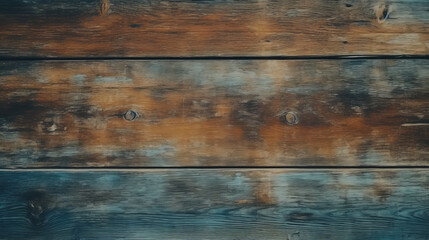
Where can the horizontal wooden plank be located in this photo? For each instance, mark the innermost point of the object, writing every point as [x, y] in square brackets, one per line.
[135, 28]
[215, 204]
[214, 113]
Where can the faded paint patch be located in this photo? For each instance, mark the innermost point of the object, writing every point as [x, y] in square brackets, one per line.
[306, 89]
[233, 78]
[152, 155]
[7, 133]
[162, 150]
[350, 179]
[9, 136]
[406, 39]
[120, 79]
[79, 79]
[67, 151]
[372, 157]
[43, 79]
[295, 188]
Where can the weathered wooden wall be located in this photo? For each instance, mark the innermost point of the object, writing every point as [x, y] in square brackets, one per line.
[214, 119]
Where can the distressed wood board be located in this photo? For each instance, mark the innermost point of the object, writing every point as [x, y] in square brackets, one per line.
[215, 204]
[134, 28]
[214, 113]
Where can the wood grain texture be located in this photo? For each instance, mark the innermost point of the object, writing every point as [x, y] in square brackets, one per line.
[215, 204]
[214, 113]
[135, 28]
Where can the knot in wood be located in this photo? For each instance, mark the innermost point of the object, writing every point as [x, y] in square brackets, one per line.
[37, 206]
[104, 7]
[382, 12]
[130, 115]
[289, 118]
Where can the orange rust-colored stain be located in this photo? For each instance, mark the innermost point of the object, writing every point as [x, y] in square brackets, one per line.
[262, 193]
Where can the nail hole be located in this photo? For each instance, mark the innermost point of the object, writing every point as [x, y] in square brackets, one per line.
[290, 118]
[349, 5]
[130, 115]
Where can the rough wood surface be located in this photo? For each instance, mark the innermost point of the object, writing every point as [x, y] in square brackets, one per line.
[82, 28]
[214, 113]
[215, 204]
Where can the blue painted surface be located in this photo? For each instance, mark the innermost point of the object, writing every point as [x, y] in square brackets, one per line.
[216, 204]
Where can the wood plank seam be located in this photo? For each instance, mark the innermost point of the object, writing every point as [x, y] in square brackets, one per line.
[209, 58]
